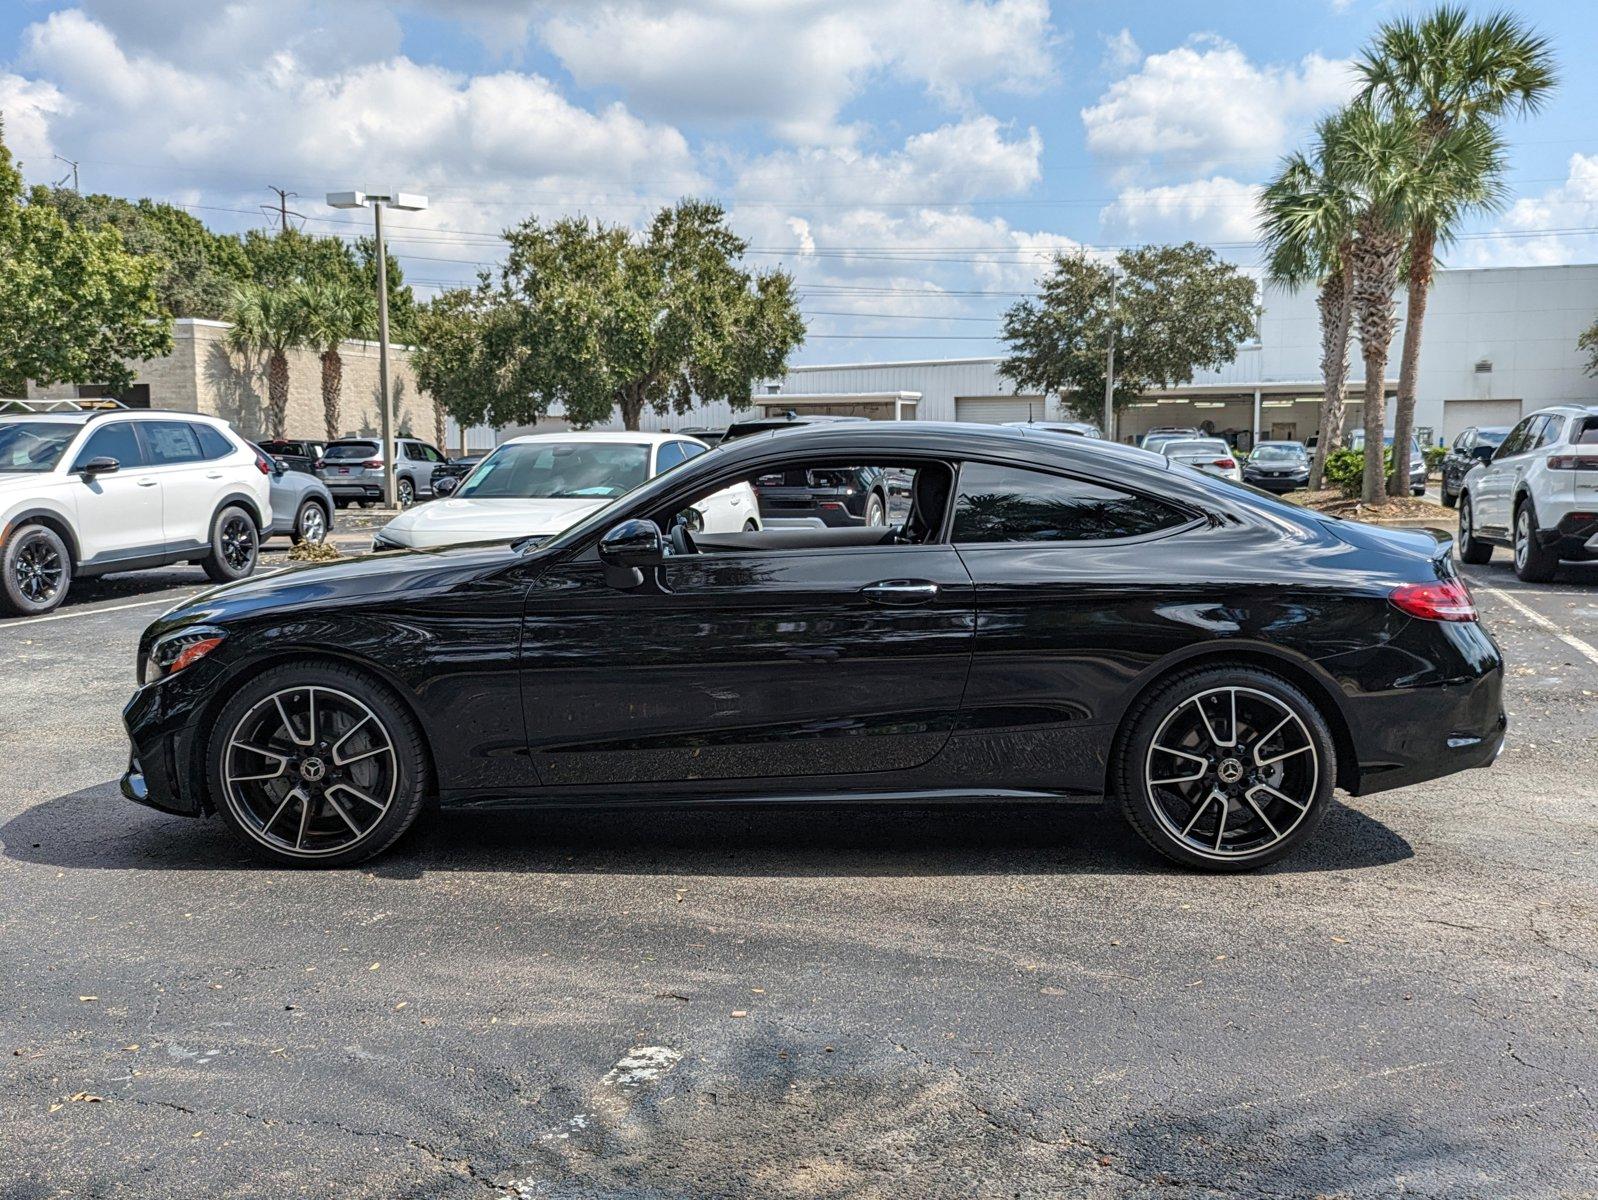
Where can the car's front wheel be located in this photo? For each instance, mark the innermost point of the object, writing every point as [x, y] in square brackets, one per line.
[876, 511]
[1225, 768]
[1448, 497]
[316, 765]
[37, 569]
[310, 525]
[1471, 548]
[407, 493]
[235, 545]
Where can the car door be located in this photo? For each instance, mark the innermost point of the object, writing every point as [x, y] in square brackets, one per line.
[1457, 461]
[191, 484]
[119, 512]
[757, 663]
[1062, 573]
[1492, 489]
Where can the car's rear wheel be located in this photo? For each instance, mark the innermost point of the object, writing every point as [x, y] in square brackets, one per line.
[1225, 768]
[1533, 563]
[876, 511]
[316, 765]
[235, 545]
[1448, 498]
[1471, 548]
[310, 524]
[37, 568]
[407, 493]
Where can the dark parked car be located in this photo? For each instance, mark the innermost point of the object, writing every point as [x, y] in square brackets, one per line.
[1054, 619]
[743, 429]
[456, 469]
[297, 454]
[833, 497]
[1474, 445]
[1277, 466]
[709, 436]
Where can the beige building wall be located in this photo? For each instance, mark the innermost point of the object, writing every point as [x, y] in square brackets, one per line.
[202, 375]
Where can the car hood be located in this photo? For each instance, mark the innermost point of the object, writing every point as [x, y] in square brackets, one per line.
[452, 521]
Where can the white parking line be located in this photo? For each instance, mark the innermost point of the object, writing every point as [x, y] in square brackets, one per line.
[90, 612]
[1585, 649]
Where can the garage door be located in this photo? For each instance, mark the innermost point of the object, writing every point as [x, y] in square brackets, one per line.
[1459, 415]
[996, 410]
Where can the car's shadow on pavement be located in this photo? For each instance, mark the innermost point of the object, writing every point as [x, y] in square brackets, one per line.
[97, 829]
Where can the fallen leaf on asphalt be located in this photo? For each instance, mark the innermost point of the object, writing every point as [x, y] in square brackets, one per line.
[1340, 941]
[87, 999]
[401, 1005]
[373, 967]
[55, 1108]
[738, 1012]
[135, 1046]
[1054, 991]
[86, 1098]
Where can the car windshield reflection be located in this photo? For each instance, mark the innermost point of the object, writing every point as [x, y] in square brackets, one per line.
[558, 471]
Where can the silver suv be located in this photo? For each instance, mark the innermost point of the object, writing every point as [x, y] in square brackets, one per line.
[1538, 494]
[352, 468]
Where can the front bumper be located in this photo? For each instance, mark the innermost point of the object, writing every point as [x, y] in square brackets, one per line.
[1277, 483]
[164, 769]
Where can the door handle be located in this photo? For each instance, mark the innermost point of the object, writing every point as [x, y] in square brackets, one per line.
[213, 474]
[900, 591]
[147, 483]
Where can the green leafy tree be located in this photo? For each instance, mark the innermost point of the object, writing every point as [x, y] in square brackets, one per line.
[198, 269]
[1588, 341]
[601, 320]
[75, 306]
[1177, 310]
[292, 257]
[270, 321]
[1450, 72]
[333, 311]
[1307, 220]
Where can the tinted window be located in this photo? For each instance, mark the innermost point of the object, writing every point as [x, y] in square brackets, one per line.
[171, 442]
[345, 451]
[558, 470]
[1516, 441]
[668, 457]
[1010, 504]
[1552, 431]
[118, 440]
[212, 443]
[34, 445]
[1462, 442]
[691, 449]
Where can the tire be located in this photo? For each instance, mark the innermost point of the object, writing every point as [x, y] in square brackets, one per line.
[299, 818]
[1448, 498]
[1471, 548]
[876, 511]
[311, 524]
[341, 504]
[366, 503]
[1417, 491]
[1272, 792]
[37, 569]
[751, 526]
[235, 546]
[1533, 563]
[405, 493]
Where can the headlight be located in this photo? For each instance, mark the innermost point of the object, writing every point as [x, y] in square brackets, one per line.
[176, 651]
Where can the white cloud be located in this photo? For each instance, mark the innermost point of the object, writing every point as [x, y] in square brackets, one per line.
[1204, 106]
[26, 108]
[1572, 204]
[793, 65]
[1218, 209]
[1121, 53]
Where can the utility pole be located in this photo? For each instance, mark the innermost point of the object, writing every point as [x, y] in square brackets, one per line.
[283, 210]
[1109, 368]
[71, 163]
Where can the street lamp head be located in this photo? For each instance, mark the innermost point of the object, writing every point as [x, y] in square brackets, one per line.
[346, 199]
[408, 201]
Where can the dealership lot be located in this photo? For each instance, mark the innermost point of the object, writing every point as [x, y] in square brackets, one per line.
[820, 1002]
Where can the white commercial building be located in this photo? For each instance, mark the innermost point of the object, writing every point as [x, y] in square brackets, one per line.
[1498, 342]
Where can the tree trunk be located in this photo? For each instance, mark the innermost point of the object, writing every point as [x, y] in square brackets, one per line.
[277, 393]
[439, 427]
[1421, 249]
[1375, 277]
[332, 387]
[1336, 305]
[632, 407]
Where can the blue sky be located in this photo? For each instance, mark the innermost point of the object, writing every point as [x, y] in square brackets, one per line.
[914, 163]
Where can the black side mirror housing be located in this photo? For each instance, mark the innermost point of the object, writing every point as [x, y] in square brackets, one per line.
[103, 465]
[279, 468]
[636, 544]
[1484, 453]
[445, 485]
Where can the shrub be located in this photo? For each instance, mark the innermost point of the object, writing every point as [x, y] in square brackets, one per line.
[1434, 458]
[1345, 470]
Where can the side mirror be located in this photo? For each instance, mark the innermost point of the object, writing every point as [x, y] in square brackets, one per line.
[103, 465]
[635, 544]
[1483, 453]
[446, 485]
[279, 468]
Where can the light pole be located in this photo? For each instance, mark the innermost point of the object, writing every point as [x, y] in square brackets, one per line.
[378, 201]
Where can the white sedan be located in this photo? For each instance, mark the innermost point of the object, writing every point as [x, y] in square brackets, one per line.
[1210, 455]
[543, 483]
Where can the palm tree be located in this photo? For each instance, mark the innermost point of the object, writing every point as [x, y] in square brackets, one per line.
[334, 310]
[270, 321]
[1308, 225]
[1452, 73]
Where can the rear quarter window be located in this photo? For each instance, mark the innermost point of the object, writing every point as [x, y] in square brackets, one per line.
[1014, 504]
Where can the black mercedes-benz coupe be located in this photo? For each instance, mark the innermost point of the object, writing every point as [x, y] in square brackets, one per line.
[1054, 619]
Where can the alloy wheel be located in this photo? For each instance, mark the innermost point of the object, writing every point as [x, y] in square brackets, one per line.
[309, 771]
[238, 542]
[313, 525]
[39, 570]
[407, 493]
[1231, 772]
[1522, 536]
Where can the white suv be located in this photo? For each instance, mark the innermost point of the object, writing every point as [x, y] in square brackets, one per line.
[1538, 495]
[87, 493]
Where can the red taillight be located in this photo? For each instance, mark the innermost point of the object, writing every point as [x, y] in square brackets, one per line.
[1447, 600]
[372, 464]
[261, 465]
[1224, 462]
[1572, 462]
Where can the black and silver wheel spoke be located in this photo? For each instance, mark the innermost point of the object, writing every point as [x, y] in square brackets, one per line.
[309, 771]
[1231, 771]
[39, 570]
[238, 543]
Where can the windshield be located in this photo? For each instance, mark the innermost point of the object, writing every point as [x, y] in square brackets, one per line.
[1278, 454]
[1491, 437]
[1358, 442]
[558, 471]
[352, 449]
[34, 445]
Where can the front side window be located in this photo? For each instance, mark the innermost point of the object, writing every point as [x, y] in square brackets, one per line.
[1013, 504]
[118, 440]
[558, 471]
[171, 442]
[34, 446]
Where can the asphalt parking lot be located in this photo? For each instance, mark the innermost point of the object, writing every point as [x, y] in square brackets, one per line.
[805, 1003]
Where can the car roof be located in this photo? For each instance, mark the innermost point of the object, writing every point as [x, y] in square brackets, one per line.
[623, 437]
